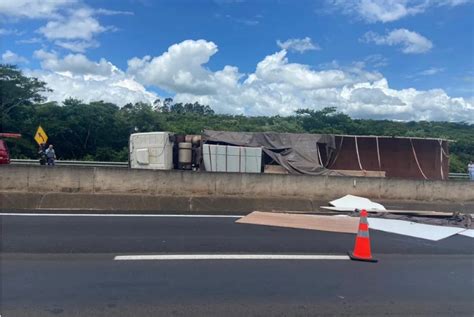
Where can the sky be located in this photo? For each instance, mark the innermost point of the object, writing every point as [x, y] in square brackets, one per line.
[381, 59]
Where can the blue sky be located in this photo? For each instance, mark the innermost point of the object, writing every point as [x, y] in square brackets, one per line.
[394, 59]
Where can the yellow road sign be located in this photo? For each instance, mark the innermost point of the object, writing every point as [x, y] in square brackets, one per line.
[41, 136]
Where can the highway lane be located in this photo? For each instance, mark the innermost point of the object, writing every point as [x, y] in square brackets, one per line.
[193, 234]
[63, 266]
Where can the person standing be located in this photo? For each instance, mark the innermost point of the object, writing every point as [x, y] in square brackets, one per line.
[50, 155]
[42, 154]
[470, 168]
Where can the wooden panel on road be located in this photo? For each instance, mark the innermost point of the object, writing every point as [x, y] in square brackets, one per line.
[344, 224]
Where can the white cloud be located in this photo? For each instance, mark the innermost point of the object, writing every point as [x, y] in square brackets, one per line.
[451, 3]
[70, 23]
[76, 31]
[79, 25]
[33, 8]
[77, 64]
[74, 75]
[376, 61]
[180, 69]
[431, 71]
[244, 21]
[276, 69]
[280, 87]
[374, 97]
[112, 12]
[33, 40]
[277, 86]
[386, 10]
[298, 45]
[45, 9]
[12, 58]
[77, 46]
[248, 22]
[411, 42]
[116, 89]
[4, 32]
[433, 104]
[389, 10]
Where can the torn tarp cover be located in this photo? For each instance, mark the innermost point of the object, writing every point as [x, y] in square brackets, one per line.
[297, 153]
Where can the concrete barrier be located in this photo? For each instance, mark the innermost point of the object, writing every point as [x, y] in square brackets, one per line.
[24, 187]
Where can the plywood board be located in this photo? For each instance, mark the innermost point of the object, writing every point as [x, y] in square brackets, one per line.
[275, 169]
[413, 229]
[344, 224]
[356, 202]
[396, 211]
[363, 173]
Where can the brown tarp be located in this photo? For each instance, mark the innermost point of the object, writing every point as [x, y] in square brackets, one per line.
[397, 156]
[297, 153]
[324, 154]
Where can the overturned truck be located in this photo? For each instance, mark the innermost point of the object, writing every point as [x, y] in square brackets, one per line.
[344, 155]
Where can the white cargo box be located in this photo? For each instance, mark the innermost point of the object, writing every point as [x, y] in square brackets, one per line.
[233, 159]
[251, 159]
[151, 150]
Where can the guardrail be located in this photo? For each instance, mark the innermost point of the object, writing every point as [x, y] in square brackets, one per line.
[458, 175]
[72, 163]
[454, 176]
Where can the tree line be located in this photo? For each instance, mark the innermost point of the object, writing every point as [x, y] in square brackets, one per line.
[100, 130]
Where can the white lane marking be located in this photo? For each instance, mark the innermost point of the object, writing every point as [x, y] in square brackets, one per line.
[116, 215]
[174, 257]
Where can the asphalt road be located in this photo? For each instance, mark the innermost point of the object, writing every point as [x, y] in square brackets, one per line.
[64, 266]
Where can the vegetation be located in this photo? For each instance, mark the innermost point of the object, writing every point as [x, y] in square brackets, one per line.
[100, 130]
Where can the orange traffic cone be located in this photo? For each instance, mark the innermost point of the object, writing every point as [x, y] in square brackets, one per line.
[362, 244]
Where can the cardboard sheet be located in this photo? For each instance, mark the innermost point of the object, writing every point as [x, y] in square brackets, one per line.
[413, 229]
[467, 233]
[356, 202]
[344, 224]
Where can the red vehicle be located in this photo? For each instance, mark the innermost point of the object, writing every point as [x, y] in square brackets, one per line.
[4, 154]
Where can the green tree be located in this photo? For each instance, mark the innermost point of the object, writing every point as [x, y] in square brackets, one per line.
[17, 89]
[327, 120]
